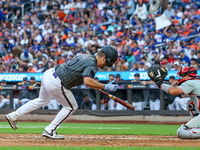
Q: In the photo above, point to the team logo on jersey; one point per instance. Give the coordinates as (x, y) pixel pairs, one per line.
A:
(85, 57)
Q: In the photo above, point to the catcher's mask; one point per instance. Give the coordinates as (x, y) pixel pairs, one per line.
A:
(190, 71)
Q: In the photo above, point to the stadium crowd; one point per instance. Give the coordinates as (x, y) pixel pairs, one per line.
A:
(55, 31)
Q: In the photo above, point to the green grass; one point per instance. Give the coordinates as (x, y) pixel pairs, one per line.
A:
(91, 128)
(98, 148)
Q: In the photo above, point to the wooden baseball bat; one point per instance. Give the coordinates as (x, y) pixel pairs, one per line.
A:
(118, 100)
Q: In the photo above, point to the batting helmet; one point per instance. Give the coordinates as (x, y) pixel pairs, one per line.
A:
(190, 71)
(111, 55)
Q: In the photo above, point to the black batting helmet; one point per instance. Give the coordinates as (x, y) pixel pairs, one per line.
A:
(111, 55)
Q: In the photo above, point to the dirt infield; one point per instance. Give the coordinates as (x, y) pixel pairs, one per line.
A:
(95, 140)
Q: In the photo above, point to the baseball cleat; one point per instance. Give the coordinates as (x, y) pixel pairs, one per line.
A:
(54, 136)
(13, 124)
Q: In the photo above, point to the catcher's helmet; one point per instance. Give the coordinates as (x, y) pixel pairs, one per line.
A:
(111, 55)
(190, 71)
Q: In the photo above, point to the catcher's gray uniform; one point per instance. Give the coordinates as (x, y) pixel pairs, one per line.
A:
(56, 83)
(191, 87)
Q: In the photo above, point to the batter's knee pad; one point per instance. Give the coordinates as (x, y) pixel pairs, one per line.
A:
(185, 132)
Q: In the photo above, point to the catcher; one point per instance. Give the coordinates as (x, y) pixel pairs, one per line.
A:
(188, 84)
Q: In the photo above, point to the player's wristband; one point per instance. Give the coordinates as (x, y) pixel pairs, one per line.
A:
(165, 87)
(105, 87)
(159, 83)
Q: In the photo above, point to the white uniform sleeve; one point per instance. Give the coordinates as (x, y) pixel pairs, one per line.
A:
(187, 87)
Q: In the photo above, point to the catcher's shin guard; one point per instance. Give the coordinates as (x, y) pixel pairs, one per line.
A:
(193, 107)
(185, 132)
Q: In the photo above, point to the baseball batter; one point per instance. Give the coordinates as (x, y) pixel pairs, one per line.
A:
(56, 83)
(189, 84)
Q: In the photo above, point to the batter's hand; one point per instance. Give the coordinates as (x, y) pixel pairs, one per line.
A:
(111, 87)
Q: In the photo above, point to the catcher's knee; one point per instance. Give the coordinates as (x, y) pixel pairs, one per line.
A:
(193, 107)
(185, 132)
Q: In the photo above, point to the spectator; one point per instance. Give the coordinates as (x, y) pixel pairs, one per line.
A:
(134, 67)
(86, 103)
(155, 60)
(171, 98)
(130, 57)
(165, 62)
(112, 26)
(176, 66)
(106, 16)
(141, 10)
(154, 7)
(41, 30)
(192, 54)
(137, 95)
(113, 105)
(45, 63)
(185, 60)
(141, 66)
(16, 6)
(101, 5)
(97, 14)
(33, 84)
(24, 96)
(181, 102)
(4, 96)
(40, 67)
(103, 98)
(21, 69)
(53, 53)
(198, 55)
(169, 11)
(14, 65)
(171, 58)
(130, 8)
(26, 58)
(194, 63)
(154, 96)
(24, 41)
(8, 56)
(96, 27)
(30, 68)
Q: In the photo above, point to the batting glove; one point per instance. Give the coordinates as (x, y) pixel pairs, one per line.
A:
(111, 87)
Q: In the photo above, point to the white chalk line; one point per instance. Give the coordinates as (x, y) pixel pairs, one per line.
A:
(100, 128)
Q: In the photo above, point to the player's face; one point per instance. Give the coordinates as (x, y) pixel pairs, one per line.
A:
(32, 81)
(103, 63)
(3, 84)
(111, 78)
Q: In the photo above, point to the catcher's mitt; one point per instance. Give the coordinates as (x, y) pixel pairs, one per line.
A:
(157, 73)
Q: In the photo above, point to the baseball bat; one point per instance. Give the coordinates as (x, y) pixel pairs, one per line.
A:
(118, 100)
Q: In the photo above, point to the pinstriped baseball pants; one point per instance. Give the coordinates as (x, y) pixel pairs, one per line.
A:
(51, 87)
